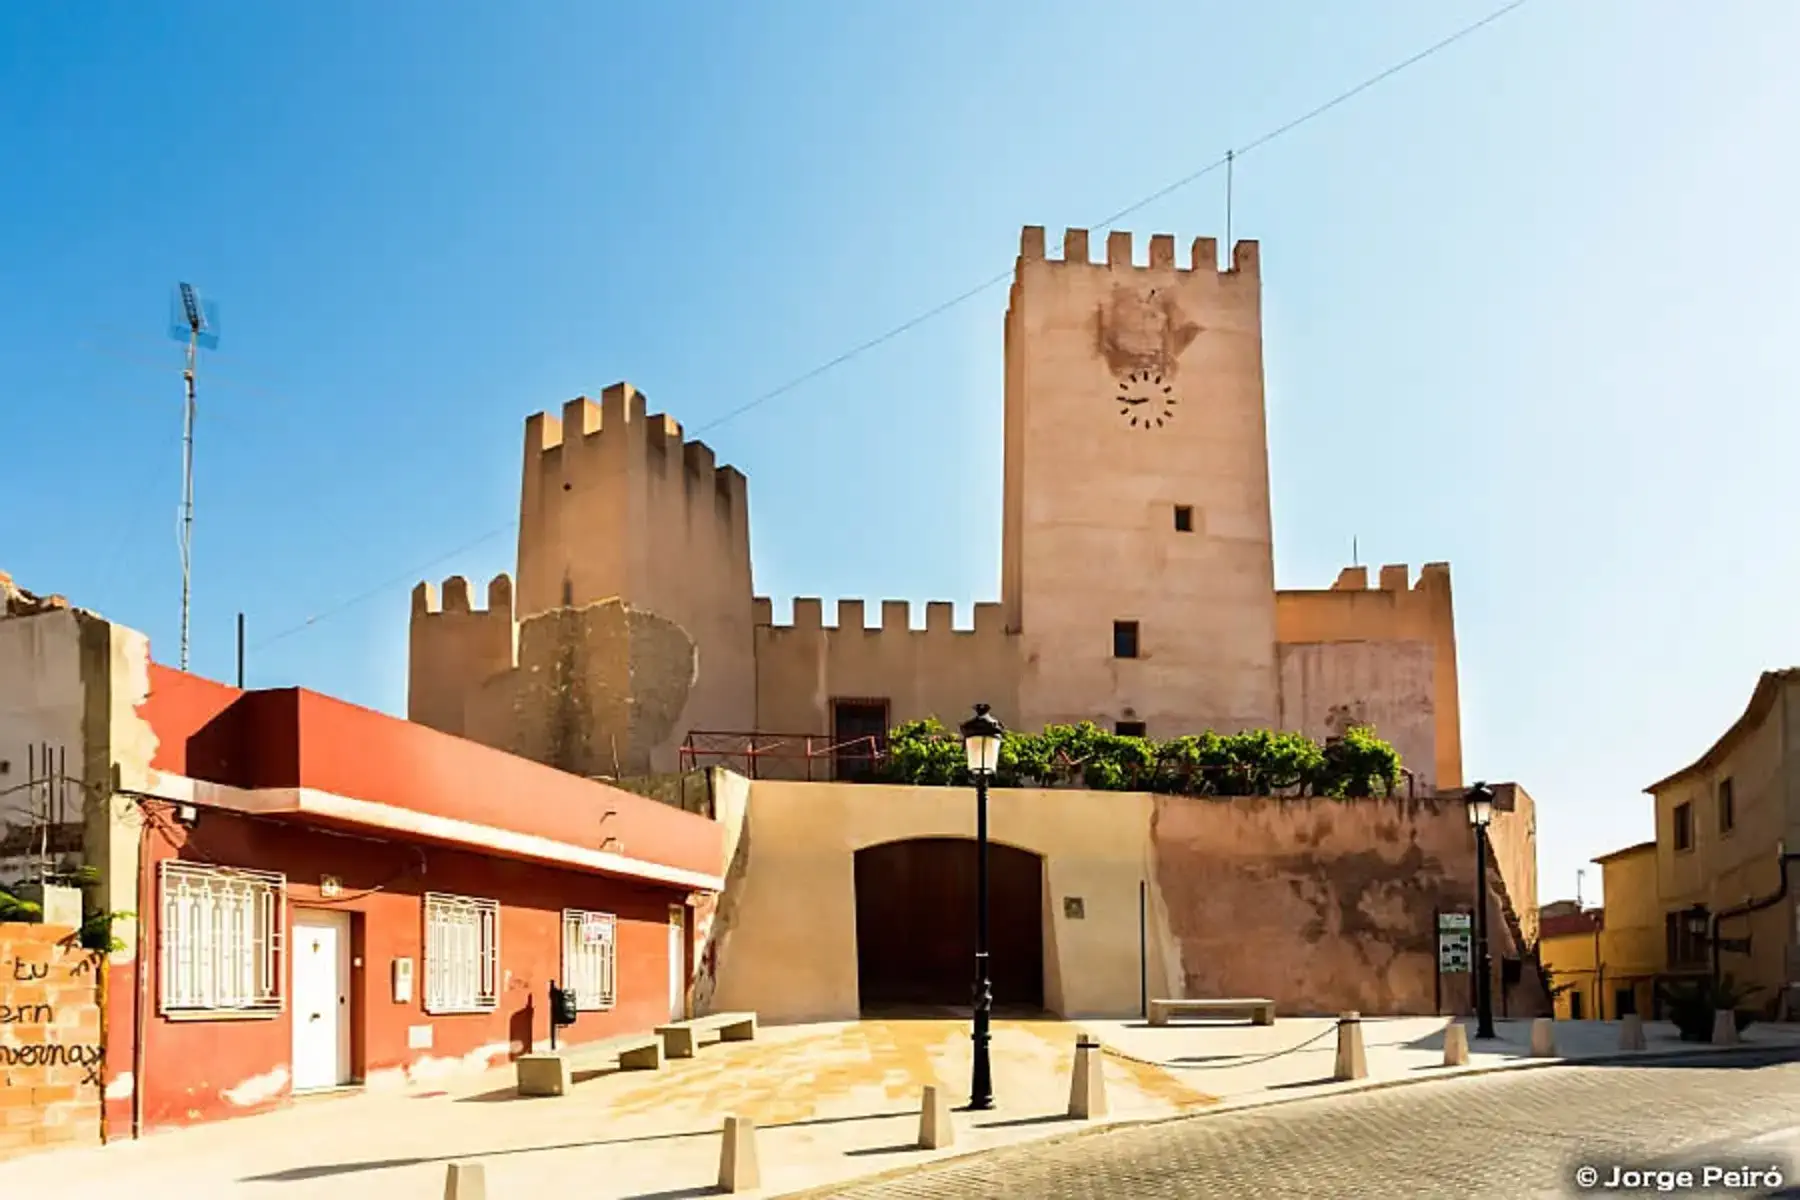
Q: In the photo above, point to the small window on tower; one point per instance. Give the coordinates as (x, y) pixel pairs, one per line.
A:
(1125, 639)
(1184, 518)
(1130, 729)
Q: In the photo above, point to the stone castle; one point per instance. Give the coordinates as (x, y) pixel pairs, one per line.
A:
(1137, 577)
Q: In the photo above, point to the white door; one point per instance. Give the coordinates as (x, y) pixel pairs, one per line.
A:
(320, 998)
(677, 963)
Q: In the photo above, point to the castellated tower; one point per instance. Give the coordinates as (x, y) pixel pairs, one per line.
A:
(615, 505)
(616, 509)
(1138, 566)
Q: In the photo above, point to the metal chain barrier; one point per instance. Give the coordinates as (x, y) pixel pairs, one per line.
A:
(1248, 1060)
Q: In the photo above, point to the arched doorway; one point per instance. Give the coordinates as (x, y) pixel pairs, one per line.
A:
(915, 925)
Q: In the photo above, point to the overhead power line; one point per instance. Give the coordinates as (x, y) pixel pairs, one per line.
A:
(961, 298)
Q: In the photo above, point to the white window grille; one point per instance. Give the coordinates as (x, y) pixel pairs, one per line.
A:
(462, 954)
(220, 939)
(590, 955)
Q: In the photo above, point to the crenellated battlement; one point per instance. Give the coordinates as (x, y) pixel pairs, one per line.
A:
(987, 619)
(1394, 577)
(456, 596)
(595, 439)
(1203, 253)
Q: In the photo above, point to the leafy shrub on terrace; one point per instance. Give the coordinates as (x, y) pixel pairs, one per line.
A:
(1257, 762)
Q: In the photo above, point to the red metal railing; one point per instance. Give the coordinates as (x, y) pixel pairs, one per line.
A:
(817, 757)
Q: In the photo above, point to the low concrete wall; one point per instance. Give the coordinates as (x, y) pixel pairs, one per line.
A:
(50, 1044)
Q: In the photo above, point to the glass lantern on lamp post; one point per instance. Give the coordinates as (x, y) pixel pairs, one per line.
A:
(982, 735)
(1480, 801)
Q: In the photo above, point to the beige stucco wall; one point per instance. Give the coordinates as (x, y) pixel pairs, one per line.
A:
(792, 950)
(1092, 481)
(1320, 905)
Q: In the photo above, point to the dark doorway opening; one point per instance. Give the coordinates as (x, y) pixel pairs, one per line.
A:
(858, 735)
(915, 926)
(1575, 1006)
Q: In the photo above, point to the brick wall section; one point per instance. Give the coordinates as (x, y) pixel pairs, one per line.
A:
(50, 1044)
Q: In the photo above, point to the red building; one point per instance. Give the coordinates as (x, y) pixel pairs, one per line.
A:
(331, 897)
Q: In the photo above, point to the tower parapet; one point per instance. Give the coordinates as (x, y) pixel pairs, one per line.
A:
(455, 647)
(1203, 253)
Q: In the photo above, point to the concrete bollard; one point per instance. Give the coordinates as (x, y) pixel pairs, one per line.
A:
(1631, 1032)
(1725, 1031)
(1087, 1084)
(738, 1170)
(1456, 1045)
(1543, 1038)
(465, 1181)
(1352, 1060)
(935, 1129)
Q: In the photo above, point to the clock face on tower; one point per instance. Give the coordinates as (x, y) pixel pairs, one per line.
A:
(1146, 399)
(1142, 335)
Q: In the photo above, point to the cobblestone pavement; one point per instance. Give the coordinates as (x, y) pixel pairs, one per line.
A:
(1510, 1134)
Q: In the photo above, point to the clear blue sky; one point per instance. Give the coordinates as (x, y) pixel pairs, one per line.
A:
(1530, 308)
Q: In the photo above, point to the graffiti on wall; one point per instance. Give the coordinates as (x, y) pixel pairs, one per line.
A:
(51, 1053)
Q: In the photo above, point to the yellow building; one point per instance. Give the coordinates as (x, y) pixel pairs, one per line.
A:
(1631, 934)
(1569, 948)
(1723, 826)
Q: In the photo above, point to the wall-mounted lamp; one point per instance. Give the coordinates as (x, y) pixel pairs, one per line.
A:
(187, 815)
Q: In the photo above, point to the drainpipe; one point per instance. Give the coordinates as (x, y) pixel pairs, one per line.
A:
(1782, 858)
(139, 1017)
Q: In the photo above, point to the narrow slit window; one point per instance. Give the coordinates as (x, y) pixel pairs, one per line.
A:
(1184, 518)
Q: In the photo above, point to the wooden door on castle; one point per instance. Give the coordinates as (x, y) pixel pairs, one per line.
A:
(915, 925)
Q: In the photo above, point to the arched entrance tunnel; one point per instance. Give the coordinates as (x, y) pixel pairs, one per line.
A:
(915, 925)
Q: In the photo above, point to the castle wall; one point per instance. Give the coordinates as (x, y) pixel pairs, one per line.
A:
(615, 504)
(1132, 391)
(1327, 687)
(454, 648)
(598, 690)
(1382, 677)
(938, 671)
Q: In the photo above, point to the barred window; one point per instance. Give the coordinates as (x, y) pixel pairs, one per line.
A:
(462, 954)
(591, 958)
(219, 939)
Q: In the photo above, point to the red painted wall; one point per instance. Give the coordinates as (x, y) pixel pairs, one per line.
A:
(192, 1067)
(294, 738)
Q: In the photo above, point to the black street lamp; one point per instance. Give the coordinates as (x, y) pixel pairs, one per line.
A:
(981, 739)
(1480, 800)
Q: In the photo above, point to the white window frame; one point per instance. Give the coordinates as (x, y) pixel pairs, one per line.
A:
(220, 935)
(590, 969)
(462, 954)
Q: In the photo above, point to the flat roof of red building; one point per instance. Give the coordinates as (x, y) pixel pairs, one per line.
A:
(293, 752)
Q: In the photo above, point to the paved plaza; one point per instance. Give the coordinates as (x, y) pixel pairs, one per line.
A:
(834, 1103)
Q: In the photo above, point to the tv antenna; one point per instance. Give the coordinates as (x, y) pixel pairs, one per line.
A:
(195, 322)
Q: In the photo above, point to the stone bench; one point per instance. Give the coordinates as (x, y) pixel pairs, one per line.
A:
(1261, 1012)
(681, 1039)
(552, 1073)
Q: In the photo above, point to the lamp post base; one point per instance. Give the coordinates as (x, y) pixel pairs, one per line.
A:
(981, 1083)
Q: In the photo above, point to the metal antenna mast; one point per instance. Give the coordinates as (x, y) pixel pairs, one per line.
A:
(195, 323)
